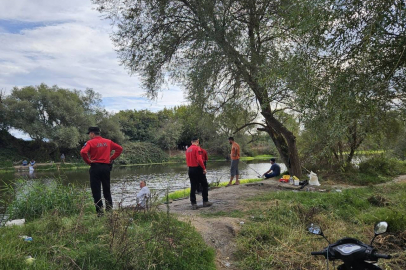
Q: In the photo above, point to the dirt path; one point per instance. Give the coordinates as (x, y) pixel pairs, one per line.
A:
(219, 232)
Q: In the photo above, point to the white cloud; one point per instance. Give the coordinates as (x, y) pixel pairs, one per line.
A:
(66, 43)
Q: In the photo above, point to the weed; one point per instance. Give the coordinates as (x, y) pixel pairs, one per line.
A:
(276, 238)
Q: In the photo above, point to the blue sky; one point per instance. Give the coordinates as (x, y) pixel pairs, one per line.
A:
(66, 43)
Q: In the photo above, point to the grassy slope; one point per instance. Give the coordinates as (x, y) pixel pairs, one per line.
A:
(68, 235)
(274, 235)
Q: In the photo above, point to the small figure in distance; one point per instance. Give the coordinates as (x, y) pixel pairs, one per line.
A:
(25, 162)
(143, 195)
(274, 171)
(63, 158)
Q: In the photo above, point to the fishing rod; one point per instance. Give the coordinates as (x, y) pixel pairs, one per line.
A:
(259, 175)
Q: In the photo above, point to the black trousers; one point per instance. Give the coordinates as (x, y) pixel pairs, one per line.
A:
(100, 176)
(197, 177)
(199, 186)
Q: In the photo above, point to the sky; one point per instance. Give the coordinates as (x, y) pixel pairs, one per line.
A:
(67, 43)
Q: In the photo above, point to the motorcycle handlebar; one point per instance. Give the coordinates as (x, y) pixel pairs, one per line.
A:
(383, 256)
(318, 253)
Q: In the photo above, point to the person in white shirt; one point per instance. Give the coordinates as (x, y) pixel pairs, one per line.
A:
(143, 195)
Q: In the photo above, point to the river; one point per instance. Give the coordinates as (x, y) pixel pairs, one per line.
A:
(125, 180)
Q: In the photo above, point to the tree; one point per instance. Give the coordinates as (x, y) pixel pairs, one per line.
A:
(219, 49)
(138, 125)
(54, 114)
(167, 136)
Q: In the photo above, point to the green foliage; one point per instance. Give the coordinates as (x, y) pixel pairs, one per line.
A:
(138, 125)
(35, 199)
(141, 153)
(67, 233)
(113, 242)
(382, 165)
(60, 116)
(275, 235)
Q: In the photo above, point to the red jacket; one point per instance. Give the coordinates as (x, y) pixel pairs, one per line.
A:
(193, 158)
(204, 154)
(100, 150)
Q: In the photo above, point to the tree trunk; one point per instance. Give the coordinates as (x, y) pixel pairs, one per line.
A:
(285, 143)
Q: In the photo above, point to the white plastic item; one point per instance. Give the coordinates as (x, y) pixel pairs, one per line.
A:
(314, 180)
(296, 182)
(15, 222)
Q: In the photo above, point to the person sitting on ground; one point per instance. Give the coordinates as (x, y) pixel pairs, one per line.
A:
(25, 163)
(274, 171)
(143, 195)
(32, 163)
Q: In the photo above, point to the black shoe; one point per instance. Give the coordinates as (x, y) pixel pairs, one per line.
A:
(207, 204)
(194, 206)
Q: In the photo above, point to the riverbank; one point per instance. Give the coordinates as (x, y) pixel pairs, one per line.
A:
(75, 166)
(257, 225)
(262, 225)
(67, 234)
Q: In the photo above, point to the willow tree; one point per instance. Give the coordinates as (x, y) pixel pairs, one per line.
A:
(219, 50)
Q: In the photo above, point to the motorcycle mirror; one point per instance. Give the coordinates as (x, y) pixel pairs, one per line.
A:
(381, 227)
(315, 229)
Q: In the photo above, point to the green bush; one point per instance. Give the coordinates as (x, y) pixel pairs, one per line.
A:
(142, 153)
(381, 165)
(32, 200)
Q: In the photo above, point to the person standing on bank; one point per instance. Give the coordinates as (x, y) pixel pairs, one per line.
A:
(197, 172)
(205, 158)
(235, 159)
(99, 149)
(274, 171)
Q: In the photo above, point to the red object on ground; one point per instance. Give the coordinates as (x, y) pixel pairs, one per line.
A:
(284, 180)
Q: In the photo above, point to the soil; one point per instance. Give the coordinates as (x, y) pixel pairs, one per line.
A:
(219, 232)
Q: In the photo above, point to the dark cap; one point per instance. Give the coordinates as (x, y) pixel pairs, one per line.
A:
(195, 139)
(93, 129)
(272, 159)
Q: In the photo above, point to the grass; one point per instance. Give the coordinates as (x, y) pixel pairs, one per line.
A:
(367, 152)
(123, 239)
(259, 157)
(274, 235)
(32, 199)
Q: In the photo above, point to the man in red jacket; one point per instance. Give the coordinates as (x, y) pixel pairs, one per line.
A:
(205, 158)
(197, 172)
(99, 150)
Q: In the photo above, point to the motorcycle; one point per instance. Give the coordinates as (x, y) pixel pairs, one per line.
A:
(354, 254)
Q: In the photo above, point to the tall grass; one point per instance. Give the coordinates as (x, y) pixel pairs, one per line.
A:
(32, 199)
(67, 234)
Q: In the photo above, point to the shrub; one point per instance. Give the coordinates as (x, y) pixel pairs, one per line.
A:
(141, 153)
(381, 165)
